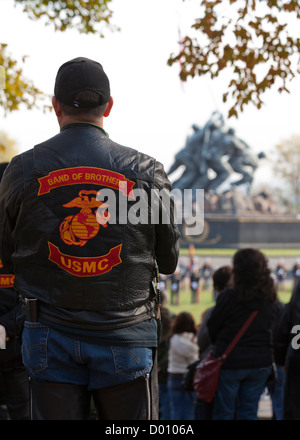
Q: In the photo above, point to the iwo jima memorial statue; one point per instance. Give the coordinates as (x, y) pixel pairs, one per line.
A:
(215, 160)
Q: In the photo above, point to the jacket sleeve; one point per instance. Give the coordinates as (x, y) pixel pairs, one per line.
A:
(166, 230)
(11, 192)
(282, 335)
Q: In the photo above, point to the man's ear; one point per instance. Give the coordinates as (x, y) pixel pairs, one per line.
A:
(109, 107)
(56, 106)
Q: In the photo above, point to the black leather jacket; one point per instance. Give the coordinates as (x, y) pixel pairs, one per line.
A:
(94, 273)
(8, 303)
(254, 349)
(9, 309)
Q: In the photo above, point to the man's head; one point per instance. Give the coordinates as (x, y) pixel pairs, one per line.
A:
(221, 278)
(82, 90)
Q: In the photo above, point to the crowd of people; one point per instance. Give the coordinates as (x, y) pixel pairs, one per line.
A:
(197, 276)
(264, 362)
(282, 273)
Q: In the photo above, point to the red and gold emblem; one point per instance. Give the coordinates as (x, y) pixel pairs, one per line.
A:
(78, 229)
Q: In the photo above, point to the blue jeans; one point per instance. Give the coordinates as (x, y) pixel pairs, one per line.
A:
(239, 392)
(277, 394)
(181, 401)
(164, 402)
(51, 356)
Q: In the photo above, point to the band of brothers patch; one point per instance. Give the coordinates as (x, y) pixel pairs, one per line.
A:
(91, 175)
(79, 228)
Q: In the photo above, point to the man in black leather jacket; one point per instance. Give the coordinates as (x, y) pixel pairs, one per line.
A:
(87, 225)
(13, 375)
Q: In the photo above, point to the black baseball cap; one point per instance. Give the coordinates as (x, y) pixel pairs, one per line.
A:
(82, 83)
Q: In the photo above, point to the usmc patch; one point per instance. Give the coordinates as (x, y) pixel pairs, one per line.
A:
(77, 229)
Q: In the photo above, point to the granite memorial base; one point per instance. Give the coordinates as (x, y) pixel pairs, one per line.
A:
(230, 231)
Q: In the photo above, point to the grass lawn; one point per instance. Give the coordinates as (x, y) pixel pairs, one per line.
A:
(206, 296)
(281, 253)
(206, 300)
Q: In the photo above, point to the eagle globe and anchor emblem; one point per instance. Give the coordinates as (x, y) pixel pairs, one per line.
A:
(79, 228)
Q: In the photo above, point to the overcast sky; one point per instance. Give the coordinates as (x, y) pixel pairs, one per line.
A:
(152, 111)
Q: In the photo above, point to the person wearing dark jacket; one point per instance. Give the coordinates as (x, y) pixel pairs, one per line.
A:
(14, 379)
(85, 240)
(167, 318)
(246, 370)
(287, 353)
(221, 280)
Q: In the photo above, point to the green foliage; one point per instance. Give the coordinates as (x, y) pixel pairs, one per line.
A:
(17, 89)
(250, 38)
(7, 147)
(86, 16)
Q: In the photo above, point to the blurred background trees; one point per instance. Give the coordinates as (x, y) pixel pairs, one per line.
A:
(286, 166)
(252, 40)
(90, 16)
(7, 148)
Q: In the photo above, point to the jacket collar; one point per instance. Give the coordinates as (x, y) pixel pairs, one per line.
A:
(78, 124)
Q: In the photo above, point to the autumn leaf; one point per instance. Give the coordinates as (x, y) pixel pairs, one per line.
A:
(256, 47)
(87, 16)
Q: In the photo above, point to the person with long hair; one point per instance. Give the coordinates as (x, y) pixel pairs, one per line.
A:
(183, 351)
(221, 280)
(245, 372)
